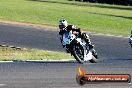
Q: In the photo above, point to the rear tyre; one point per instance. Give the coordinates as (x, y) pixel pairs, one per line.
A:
(95, 54)
(93, 60)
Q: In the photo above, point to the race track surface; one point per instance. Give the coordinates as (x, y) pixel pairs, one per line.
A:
(114, 52)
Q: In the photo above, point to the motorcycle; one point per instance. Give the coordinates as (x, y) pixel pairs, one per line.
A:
(78, 48)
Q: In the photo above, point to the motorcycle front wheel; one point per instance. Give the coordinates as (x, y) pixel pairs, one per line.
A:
(78, 53)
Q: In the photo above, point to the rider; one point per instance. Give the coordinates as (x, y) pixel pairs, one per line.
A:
(63, 26)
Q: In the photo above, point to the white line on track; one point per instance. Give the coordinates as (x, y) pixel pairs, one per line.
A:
(2, 84)
(109, 35)
(63, 60)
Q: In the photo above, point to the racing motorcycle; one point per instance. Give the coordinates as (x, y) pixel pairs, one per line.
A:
(78, 48)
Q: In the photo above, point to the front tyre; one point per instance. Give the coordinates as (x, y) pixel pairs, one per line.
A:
(78, 53)
(94, 53)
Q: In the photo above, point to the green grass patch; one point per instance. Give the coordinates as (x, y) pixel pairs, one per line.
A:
(99, 18)
(8, 54)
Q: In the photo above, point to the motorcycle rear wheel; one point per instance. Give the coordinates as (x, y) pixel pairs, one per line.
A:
(93, 60)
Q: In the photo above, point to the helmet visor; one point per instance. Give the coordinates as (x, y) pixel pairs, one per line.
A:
(61, 26)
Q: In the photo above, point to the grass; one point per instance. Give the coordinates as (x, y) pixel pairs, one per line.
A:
(8, 54)
(99, 18)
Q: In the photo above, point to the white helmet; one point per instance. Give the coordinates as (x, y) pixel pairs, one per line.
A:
(63, 24)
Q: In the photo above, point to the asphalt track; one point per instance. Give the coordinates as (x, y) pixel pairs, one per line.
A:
(114, 52)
